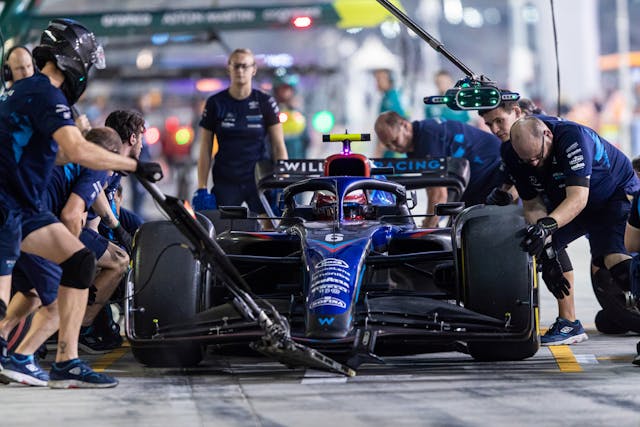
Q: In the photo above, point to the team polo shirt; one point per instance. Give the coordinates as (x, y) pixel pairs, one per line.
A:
(240, 127)
(30, 112)
(579, 157)
(451, 138)
(73, 179)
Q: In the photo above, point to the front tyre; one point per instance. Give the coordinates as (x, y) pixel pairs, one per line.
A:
(167, 286)
(499, 279)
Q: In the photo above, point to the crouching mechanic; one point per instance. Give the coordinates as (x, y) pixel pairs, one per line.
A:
(632, 243)
(586, 181)
(71, 191)
(499, 120)
(112, 228)
(36, 125)
(130, 126)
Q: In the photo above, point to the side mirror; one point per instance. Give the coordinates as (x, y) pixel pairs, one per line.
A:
(233, 212)
(449, 208)
(412, 199)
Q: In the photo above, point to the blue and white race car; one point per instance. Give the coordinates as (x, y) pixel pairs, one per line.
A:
(344, 277)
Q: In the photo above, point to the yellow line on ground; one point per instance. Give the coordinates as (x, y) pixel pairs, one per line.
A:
(616, 358)
(110, 358)
(565, 358)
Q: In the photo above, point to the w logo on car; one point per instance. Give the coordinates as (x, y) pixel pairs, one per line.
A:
(325, 321)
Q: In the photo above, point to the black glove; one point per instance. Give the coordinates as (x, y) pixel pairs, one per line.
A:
(150, 171)
(123, 237)
(499, 197)
(552, 273)
(536, 234)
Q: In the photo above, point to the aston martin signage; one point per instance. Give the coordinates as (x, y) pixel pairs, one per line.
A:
(342, 13)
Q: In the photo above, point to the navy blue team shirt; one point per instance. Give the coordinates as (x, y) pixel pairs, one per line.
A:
(30, 112)
(73, 178)
(580, 157)
(240, 127)
(451, 138)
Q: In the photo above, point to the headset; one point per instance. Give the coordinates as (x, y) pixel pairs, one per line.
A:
(7, 76)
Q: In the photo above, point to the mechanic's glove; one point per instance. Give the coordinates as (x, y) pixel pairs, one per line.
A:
(203, 200)
(150, 171)
(499, 197)
(123, 237)
(536, 235)
(552, 273)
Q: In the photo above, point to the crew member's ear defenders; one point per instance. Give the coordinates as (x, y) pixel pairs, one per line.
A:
(6, 71)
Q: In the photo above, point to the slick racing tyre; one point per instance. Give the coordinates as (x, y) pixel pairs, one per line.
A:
(499, 280)
(615, 303)
(167, 287)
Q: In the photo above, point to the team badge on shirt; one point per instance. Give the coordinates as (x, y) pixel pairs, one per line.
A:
(64, 111)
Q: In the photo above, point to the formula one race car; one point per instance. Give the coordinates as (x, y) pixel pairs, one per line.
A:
(344, 278)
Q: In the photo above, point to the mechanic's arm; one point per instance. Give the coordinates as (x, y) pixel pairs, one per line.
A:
(205, 159)
(73, 214)
(61, 158)
(102, 208)
(632, 238)
(82, 122)
(78, 150)
(435, 195)
(511, 189)
(571, 206)
(534, 209)
(276, 136)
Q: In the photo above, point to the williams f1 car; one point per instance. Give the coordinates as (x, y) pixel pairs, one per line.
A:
(344, 277)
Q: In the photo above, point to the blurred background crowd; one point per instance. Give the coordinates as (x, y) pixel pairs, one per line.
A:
(334, 65)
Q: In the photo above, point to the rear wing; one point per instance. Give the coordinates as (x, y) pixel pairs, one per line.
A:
(413, 174)
(450, 172)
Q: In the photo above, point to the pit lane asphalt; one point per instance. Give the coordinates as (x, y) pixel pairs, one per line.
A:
(588, 384)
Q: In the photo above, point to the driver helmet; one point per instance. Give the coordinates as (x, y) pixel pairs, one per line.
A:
(324, 206)
(355, 206)
(74, 49)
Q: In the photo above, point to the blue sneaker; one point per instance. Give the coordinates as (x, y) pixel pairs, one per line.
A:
(564, 332)
(75, 373)
(22, 368)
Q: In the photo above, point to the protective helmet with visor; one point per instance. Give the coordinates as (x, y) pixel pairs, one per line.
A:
(74, 49)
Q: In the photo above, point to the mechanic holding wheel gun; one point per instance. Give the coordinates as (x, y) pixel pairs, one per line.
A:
(586, 181)
(36, 130)
(240, 118)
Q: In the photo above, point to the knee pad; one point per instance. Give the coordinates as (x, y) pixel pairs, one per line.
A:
(565, 262)
(79, 270)
(621, 273)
